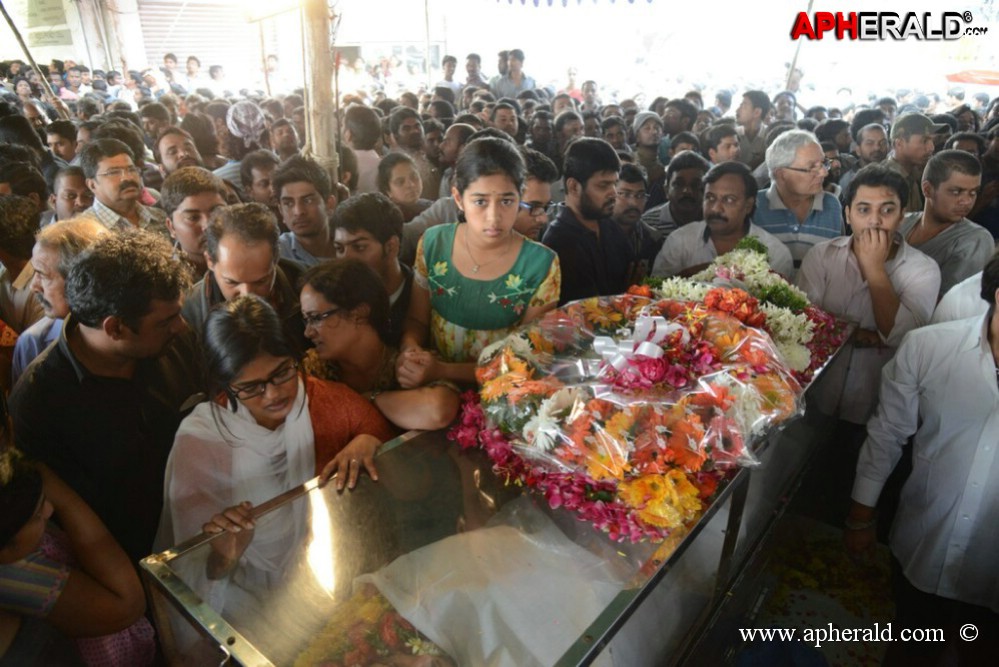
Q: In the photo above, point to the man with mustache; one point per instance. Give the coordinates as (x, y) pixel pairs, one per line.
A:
(872, 147)
(729, 202)
(175, 149)
(117, 185)
(684, 190)
(942, 230)
(632, 191)
(592, 250)
(56, 246)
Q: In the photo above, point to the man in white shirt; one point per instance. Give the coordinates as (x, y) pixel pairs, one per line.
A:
(873, 278)
(941, 389)
(962, 301)
(729, 202)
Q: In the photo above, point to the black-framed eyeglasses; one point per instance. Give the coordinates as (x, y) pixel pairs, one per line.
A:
(317, 319)
(253, 389)
(633, 196)
(814, 169)
(121, 171)
(536, 209)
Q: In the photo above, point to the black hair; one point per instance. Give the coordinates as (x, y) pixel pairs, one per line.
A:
(489, 156)
(967, 136)
(941, 165)
(686, 109)
(759, 100)
(563, 119)
(734, 169)
(443, 108)
(347, 165)
(255, 160)
(990, 282)
(829, 128)
(364, 125)
(18, 153)
(385, 167)
(20, 216)
(125, 133)
(350, 284)
(62, 128)
(863, 118)
(539, 166)
(587, 156)
(634, 173)
(250, 223)
(156, 111)
(612, 121)
(235, 333)
(298, 169)
(120, 275)
(24, 180)
(685, 138)
(398, 116)
(18, 130)
(372, 212)
(877, 176)
(187, 182)
(202, 130)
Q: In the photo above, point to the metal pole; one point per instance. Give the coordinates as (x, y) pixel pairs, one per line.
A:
(60, 107)
(426, 25)
(86, 40)
(263, 59)
(99, 20)
(797, 50)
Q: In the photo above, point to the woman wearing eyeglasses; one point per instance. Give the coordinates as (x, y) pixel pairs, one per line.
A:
(267, 430)
(476, 281)
(346, 312)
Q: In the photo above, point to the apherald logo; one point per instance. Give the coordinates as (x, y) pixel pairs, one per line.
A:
(885, 25)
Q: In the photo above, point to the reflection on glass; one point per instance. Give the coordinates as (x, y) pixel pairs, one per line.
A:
(320, 556)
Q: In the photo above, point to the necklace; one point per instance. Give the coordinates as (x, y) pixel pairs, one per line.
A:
(475, 264)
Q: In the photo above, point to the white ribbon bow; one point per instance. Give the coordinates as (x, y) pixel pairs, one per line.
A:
(650, 331)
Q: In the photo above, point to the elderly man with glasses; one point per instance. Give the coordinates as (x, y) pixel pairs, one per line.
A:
(795, 208)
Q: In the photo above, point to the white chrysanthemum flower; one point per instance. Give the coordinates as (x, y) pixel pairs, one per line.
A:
(542, 430)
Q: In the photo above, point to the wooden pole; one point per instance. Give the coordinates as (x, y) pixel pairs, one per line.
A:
(56, 102)
(320, 125)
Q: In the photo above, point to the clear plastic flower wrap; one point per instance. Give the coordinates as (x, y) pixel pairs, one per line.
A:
(637, 399)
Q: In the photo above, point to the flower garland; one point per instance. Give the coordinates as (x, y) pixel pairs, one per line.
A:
(630, 410)
(366, 630)
(805, 336)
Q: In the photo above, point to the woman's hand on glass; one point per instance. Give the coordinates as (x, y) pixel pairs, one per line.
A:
(237, 522)
(346, 466)
(415, 368)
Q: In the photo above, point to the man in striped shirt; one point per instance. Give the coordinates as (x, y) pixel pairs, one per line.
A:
(795, 208)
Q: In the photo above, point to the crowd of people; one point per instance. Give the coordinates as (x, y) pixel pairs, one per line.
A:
(196, 315)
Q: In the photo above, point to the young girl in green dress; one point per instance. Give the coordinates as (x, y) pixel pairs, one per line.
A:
(475, 281)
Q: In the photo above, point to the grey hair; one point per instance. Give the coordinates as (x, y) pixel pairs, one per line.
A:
(784, 149)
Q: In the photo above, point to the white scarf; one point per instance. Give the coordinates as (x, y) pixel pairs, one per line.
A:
(221, 458)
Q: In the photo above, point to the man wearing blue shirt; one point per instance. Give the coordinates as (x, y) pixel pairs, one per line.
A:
(795, 208)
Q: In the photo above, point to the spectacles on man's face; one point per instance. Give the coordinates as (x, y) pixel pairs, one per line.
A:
(120, 171)
(253, 389)
(638, 197)
(315, 319)
(814, 169)
(536, 209)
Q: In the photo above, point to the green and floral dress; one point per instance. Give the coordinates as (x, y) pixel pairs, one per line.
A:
(467, 314)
